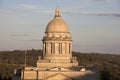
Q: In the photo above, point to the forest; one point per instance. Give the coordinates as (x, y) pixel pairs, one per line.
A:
(107, 64)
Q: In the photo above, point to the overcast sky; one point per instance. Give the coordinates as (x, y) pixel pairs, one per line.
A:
(94, 24)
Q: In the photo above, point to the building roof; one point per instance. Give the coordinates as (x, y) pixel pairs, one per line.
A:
(57, 24)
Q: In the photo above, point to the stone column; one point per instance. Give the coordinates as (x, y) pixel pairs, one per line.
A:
(49, 47)
(70, 48)
(56, 48)
(44, 48)
(67, 48)
(53, 48)
(61, 48)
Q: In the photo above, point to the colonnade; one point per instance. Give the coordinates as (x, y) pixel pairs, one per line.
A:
(57, 47)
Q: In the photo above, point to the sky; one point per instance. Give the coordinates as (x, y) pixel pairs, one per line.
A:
(94, 24)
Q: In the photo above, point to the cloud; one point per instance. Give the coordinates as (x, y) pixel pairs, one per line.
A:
(96, 13)
(106, 14)
(102, 13)
(19, 35)
(102, 0)
(10, 13)
(28, 6)
(5, 12)
(23, 10)
(33, 40)
(35, 9)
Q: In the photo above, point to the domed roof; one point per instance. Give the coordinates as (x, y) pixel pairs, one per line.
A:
(57, 24)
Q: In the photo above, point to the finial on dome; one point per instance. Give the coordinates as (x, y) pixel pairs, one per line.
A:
(57, 11)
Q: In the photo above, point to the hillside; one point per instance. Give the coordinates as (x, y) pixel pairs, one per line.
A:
(107, 64)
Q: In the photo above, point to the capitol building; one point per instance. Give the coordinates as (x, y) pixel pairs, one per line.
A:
(57, 62)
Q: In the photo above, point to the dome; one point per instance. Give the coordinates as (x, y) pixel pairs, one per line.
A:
(57, 24)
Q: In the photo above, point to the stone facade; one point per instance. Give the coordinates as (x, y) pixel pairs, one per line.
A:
(57, 74)
(57, 62)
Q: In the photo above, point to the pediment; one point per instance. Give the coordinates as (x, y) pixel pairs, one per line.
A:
(59, 69)
(59, 76)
